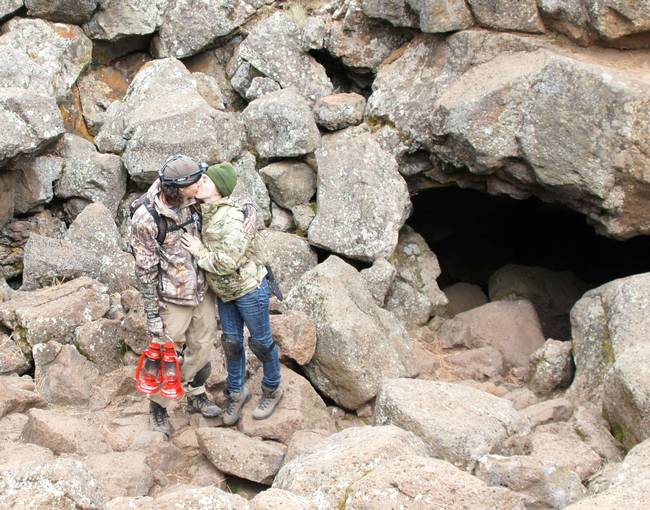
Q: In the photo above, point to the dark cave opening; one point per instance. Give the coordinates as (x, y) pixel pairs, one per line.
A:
(473, 234)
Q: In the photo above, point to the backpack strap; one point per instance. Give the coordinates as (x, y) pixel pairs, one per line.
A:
(159, 220)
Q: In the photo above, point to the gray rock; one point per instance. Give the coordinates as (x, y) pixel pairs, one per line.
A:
(522, 151)
(547, 485)
(460, 424)
(75, 12)
(90, 175)
(137, 129)
(356, 217)
(53, 313)
(548, 411)
(462, 297)
(235, 453)
(303, 215)
(8, 196)
(615, 19)
(553, 294)
(379, 279)
(427, 15)
(551, 367)
(517, 15)
(250, 187)
(260, 86)
(63, 432)
(604, 323)
(121, 473)
(34, 181)
(64, 376)
(289, 183)
(626, 395)
(360, 42)
(45, 58)
(281, 219)
(99, 341)
(314, 32)
(19, 394)
(281, 124)
(350, 364)
(323, 474)
(478, 364)
(568, 18)
(12, 359)
(208, 87)
(415, 295)
(591, 426)
(28, 122)
(188, 27)
(290, 256)
(432, 483)
(119, 18)
(242, 78)
(61, 483)
(194, 498)
(339, 111)
(278, 499)
(98, 88)
(8, 7)
(300, 409)
(274, 48)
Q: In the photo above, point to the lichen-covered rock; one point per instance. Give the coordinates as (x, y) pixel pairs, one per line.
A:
(46, 58)
(28, 122)
(363, 201)
(339, 111)
(278, 499)
(273, 47)
(517, 15)
(551, 367)
(605, 322)
(34, 181)
(138, 129)
(289, 183)
(427, 15)
(65, 11)
(290, 256)
(119, 18)
(250, 187)
(461, 84)
(98, 88)
(379, 279)
(281, 124)
(121, 473)
(8, 7)
(459, 423)
(350, 363)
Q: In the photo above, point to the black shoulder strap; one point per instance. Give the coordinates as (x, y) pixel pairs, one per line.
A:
(160, 221)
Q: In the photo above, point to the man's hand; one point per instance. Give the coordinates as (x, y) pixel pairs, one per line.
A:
(250, 218)
(155, 326)
(191, 243)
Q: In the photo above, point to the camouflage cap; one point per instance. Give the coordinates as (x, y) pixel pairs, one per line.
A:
(180, 171)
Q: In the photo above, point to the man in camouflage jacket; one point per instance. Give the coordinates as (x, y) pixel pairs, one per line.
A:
(176, 298)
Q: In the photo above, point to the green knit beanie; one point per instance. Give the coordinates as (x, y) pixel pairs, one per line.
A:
(224, 177)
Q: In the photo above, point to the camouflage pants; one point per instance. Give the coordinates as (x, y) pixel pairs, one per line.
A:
(195, 329)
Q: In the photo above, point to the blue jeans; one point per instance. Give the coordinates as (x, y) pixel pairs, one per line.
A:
(252, 309)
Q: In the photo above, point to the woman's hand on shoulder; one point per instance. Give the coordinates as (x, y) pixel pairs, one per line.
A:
(191, 243)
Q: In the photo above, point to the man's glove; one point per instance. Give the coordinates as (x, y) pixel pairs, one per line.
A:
(155, 326)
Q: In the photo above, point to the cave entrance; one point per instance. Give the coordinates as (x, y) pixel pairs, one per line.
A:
(473, 234)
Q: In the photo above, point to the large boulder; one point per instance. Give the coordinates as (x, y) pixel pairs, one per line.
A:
(280, 124)
(121, 473)
(358, 344)
(551, 293)
(34, 181)
(65, 11)
(323, 474)
(462, 84)
(428, 15)
(415, 295)
(46, 58)
(138, 128)
(290, 256)
(363, 201)
(605, 322)
(54, 313)
(289, 183)
(459, 423)
(273, 47)
(118, 19)
(28, 122)
(189, 27)
(90, 175)
(61, 483)
(339, 111)
(626, 395)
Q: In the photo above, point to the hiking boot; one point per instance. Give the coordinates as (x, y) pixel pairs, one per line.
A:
(159, 419)
(201, 404)
(235, 402)
(268, 402)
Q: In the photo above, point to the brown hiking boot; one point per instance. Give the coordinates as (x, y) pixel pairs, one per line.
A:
(235, 402)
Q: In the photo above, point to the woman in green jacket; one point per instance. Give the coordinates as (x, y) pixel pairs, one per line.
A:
(233, 261)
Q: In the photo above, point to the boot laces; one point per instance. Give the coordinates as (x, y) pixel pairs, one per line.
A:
(265, 401)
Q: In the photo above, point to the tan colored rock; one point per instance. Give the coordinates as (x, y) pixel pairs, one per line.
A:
(551, 367)
(304, 441)
(235, 453)
(594, 430)
(12, 359)
(18, 454)
(278, 499)
(11, 427)
(549, 411)
(18, 395)
(301, 408)
(295, 334)
(517, 15)
(462, 297)
(121, 473)
(479, 364)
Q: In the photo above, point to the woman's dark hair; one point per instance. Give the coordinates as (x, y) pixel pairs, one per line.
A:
(172, 195)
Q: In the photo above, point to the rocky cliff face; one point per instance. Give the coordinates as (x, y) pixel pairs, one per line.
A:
(332, 113)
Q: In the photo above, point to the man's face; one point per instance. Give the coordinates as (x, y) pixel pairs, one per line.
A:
(189, 192)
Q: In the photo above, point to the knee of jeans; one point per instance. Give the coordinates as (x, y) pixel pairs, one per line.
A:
(233, 347)
(263, 350)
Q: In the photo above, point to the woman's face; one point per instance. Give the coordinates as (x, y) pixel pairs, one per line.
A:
(207, 189)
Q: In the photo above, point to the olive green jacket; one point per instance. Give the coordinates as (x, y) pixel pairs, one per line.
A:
(233, 260)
